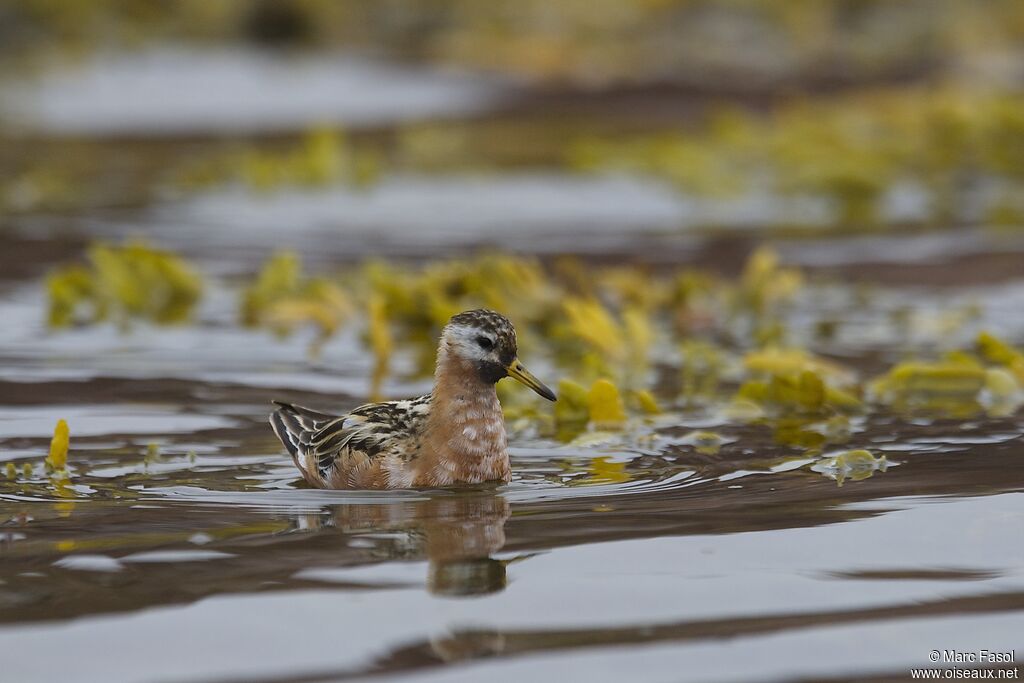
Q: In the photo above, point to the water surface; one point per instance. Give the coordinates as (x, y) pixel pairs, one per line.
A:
(185, 548)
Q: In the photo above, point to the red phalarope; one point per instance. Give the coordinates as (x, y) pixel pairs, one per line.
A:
(455, 434)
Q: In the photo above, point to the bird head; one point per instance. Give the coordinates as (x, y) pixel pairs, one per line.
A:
(487, 341)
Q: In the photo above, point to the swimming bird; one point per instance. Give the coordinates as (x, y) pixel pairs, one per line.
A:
(453, 435)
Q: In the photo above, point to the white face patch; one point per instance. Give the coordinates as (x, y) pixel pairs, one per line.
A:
(465, 342)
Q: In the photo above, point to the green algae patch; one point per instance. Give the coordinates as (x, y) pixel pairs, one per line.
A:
(777, 361)
(701, 368)
(704, 442)
(1001, 383)
(797, 393)
(765, 282)
(381, 343)
(571, 410)
(854, 465)
(70, 291)
(945, 386)
(609, 349)
(572, 401)
(282, 300)
(644, 402)
(848, 150)
(133, 281)
(622, 333)
(57, 459)
(995, 350)
(605, 405)
(322, 157)
(742, 410)
(998, 352)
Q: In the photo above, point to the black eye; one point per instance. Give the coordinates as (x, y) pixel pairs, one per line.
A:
(486, 343)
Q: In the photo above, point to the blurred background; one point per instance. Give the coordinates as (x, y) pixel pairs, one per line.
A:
(357, 126)
(771, 253)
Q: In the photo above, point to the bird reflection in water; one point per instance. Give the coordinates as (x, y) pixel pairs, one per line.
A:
(456, 532)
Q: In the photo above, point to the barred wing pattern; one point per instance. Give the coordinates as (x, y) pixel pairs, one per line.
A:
(321, 444)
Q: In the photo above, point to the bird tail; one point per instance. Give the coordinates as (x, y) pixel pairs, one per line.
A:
(296, 426)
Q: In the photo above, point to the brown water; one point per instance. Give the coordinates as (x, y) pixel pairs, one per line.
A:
(185, 548)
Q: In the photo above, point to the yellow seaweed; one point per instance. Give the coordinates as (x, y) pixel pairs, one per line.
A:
(742, 410)
(779, 361)
(68, 290)
(58, 458)
(704, 442)
(804, 392)
(847, 150)
(645, 402)
(322, 157)
(381, 344)
(855, 465)
(605, 405)
(282, 300)
(765, 283)
(571, 410)
(799, 432)
(917, 381)
(1001, 383)
(593, 324)
(133, 281)
(701, 368)
(997, 351)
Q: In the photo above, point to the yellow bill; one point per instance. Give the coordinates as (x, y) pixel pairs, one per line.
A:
(518, 372)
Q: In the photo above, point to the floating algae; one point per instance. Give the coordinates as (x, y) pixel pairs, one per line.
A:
(282, 300)
(700, 370)
(998, 352)
(800, 432)
(792, 381)
(600, 409)
(704, 442)
(855, 465)
(595, 322)
(742, 410)
(57, 460)
(322, 157)
(645, 402)
(945, 386)
(124, 283)
(591, 323)
(279, 276)
(571, 408)
(780, 361)
(958, 384)
(842, 150)
(800, 393)
(605, 406)
(381, 344)
(1001, 383)
(765, 283)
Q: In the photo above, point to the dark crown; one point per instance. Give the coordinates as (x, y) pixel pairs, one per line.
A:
(493, 323)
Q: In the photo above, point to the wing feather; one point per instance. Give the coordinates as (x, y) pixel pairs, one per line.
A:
(370, 431)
